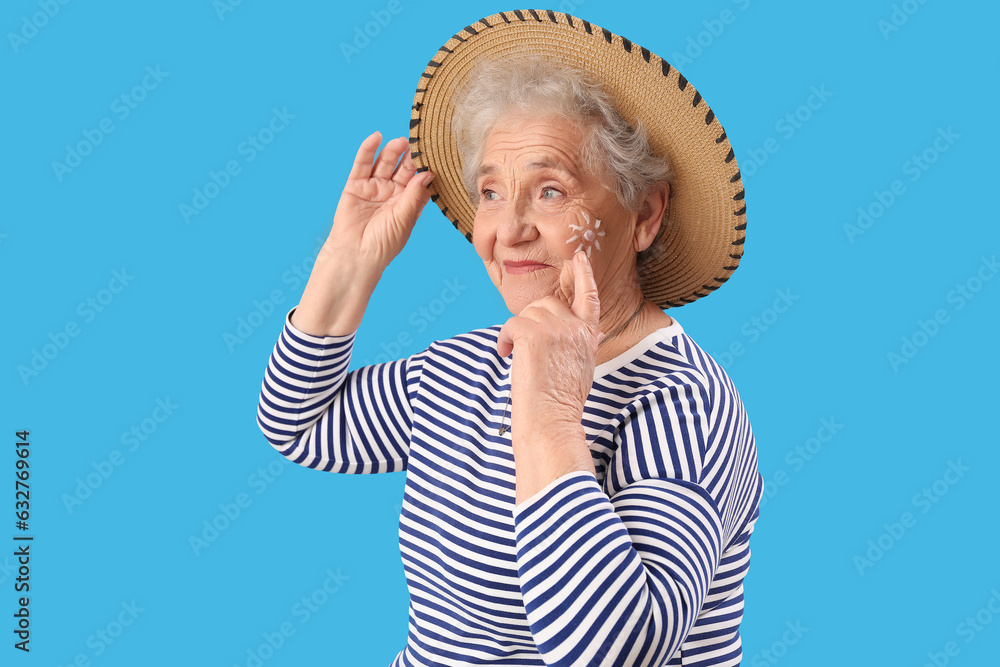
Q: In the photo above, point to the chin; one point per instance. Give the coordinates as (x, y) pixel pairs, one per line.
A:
(518, 300)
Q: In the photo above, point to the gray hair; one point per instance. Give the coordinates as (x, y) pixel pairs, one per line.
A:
(526, 83)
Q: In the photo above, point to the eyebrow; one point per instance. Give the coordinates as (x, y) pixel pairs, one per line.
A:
(492, 168)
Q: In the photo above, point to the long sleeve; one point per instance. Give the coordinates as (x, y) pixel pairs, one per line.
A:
(618, 575)
(319, 415)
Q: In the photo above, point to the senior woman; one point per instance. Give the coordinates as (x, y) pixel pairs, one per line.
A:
(581, 481)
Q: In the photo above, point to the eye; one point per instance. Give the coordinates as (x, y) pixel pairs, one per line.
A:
(488, 194)
(550, 193)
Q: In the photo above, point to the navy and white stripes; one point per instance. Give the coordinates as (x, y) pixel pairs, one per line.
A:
(641, 565)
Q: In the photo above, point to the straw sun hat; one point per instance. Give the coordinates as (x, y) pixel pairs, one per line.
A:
(706, 219)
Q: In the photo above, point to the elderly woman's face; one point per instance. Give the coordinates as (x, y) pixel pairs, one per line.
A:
(538, 204)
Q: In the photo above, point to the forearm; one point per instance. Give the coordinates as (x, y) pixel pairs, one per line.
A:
(337, 293)
(317, 414)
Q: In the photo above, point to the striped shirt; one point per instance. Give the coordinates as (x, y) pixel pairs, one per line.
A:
(641, 565)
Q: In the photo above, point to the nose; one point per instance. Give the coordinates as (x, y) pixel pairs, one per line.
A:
(515, 225)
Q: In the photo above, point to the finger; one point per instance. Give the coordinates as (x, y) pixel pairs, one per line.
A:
(413, 199)
(513, 330)
(505, 339)
(586, 304)
(362, 167)
(543, 310)
(566, 290)
(385, 165)
(404, 170)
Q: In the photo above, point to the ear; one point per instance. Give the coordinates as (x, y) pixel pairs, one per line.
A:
(654, 207)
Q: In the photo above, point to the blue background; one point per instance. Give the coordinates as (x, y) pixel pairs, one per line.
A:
(827, 557)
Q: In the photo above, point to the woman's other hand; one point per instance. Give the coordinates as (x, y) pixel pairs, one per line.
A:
(554, 342)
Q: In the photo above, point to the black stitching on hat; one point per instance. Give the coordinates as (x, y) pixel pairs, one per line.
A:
(518, 14)
(682, 82)
(709, 117)
(687, 300)
(697, 99)
(433, 63)
(711, 288)
(427, 76)
(414, 140)
(674, 305)
(739, 195)
(421, 90)
(729, 268)
(458, 37)
(739, 241)
(586, 25)
(741, 211)
(485, 23)
(435, 196)
(535, 15)
(740, 227)
(504, 17)
(414, 122)
(421, 169)
(552, 16)
(416, 155)
(736, 256)
(416, 107)
(607, 35)
(735, 177)
(645, 53)
(627, 44)
(722, 280)
(446, 49)
(729, 158)
(721, 138)
(665, 66)
(445, 212)
(469, 28)
(569, 19)
(468, 235)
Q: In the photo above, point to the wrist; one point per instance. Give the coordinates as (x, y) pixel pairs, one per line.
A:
(336, 295)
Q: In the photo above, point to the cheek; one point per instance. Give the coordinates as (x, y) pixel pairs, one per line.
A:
(582, 230)
(482, 238)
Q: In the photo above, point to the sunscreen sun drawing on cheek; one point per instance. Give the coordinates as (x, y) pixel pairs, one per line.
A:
(586, 235)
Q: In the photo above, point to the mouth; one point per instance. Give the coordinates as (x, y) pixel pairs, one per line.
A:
(516, 268)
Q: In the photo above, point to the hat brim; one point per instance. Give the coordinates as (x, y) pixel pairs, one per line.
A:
(706, 220)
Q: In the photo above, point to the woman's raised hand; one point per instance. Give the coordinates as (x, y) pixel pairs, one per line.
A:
(376, 213)
(381, 202)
